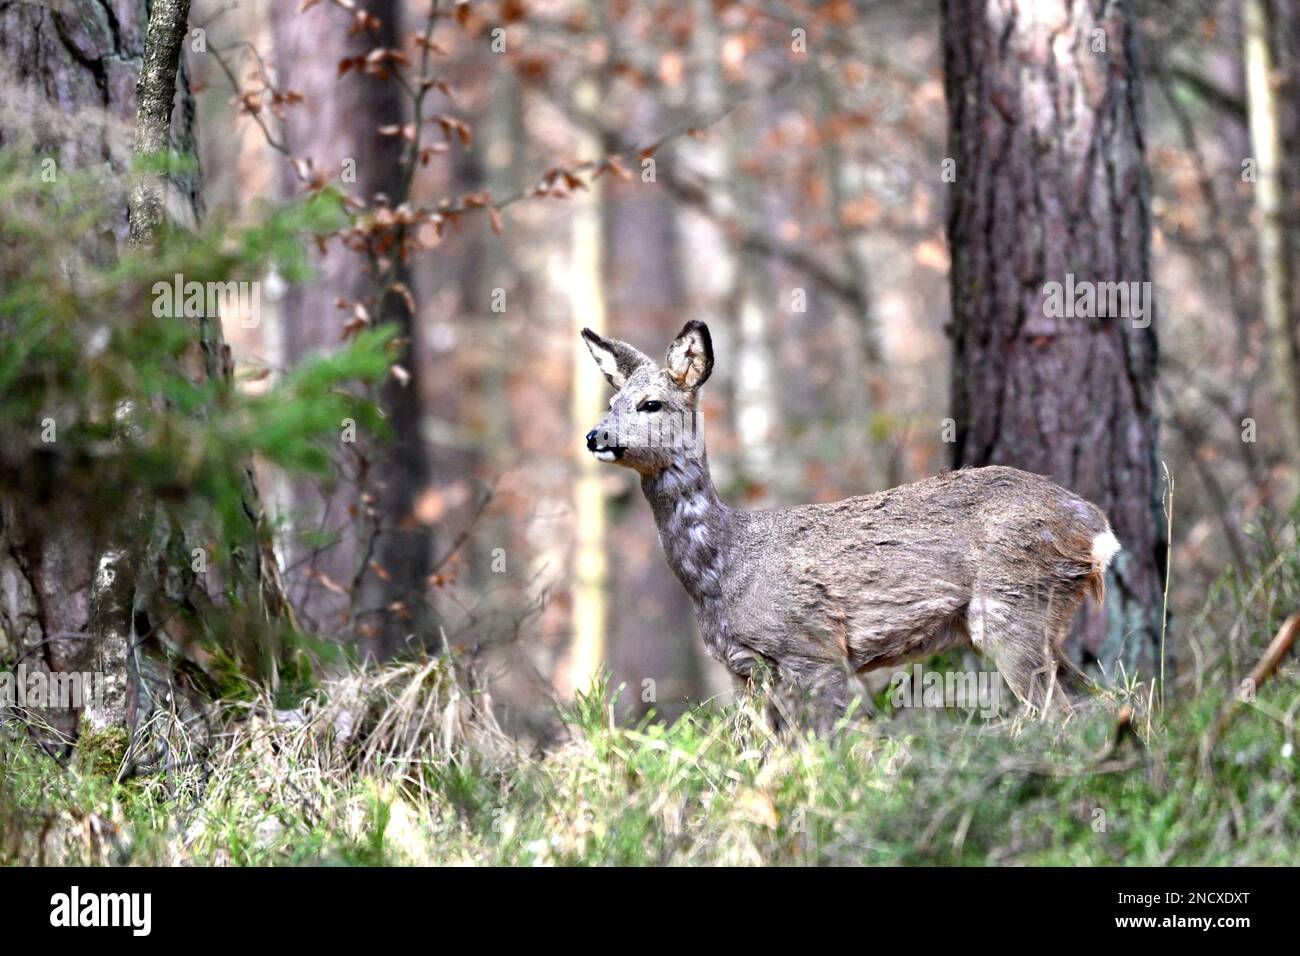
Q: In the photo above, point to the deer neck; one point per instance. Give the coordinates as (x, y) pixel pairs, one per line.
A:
(696, 527)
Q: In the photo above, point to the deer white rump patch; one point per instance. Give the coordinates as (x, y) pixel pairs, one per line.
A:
(1104, 547)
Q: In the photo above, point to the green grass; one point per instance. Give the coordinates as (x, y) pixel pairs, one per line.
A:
(405, 764)
(401, 765)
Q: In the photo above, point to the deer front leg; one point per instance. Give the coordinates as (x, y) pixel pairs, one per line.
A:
(812, 694)
(804, 692)
(785, 701)
(751, 671)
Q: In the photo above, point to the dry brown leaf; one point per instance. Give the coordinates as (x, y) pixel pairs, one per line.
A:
(328, 582)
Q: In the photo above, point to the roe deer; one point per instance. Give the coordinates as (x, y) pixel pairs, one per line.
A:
(992, 558)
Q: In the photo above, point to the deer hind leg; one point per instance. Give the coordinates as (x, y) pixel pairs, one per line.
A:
(1022, 631)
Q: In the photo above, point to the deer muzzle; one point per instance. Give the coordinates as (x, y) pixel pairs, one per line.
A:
(597, 444)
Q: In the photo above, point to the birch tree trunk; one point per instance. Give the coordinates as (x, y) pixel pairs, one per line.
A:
(1044, 101)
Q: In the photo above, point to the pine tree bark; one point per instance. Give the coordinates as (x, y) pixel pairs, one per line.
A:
(1046, 129)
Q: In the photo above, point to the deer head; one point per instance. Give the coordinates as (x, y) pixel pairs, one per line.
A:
(653, 418)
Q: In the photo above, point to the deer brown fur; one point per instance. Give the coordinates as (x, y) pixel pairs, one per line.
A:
(992, 558)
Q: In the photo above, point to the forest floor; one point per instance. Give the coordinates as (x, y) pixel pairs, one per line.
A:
(401, 765)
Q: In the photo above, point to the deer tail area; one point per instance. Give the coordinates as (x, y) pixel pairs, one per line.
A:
(1104, 547)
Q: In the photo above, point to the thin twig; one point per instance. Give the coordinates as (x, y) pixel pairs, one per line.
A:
(1168, 505)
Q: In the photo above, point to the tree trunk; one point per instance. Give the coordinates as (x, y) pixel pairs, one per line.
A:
(1287, 30)
(856, 269)
(1265, 114)
(336, 127)
(122, 602)
(155, 93)
(1044, 101)
(590, 610)
(70, 94)
(653, 637)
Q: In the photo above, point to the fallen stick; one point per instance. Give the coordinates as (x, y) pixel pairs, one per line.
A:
(1264, 668)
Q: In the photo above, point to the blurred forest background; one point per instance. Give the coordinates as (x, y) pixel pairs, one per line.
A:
(783, 171)
(796, 202)
(863, 200)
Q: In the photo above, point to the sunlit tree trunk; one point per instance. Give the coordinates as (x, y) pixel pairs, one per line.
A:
(857, 271)
(1265, 114)
(590, 608)
(505, 173)
(653, 645)
(753, 304)
(710, 273)
(1044, 101)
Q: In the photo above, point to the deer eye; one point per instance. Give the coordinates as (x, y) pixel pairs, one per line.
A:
(650, 405)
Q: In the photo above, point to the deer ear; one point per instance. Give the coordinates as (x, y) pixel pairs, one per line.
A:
(616, 359)
(690, 357)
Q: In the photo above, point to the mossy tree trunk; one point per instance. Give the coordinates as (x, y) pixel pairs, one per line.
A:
(70, 77)
(97, 85)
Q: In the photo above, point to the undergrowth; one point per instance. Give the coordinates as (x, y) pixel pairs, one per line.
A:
(402, 764)
(405, 763)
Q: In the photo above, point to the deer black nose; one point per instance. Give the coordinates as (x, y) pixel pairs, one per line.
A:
(591, 440)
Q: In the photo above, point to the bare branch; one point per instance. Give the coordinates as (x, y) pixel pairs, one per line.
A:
(154, 92)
